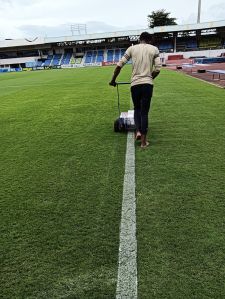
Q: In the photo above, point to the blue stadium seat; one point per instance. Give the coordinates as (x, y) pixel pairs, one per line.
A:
(110, 55)
(31, 64)
(48, 60)
(191, 44)
(100, 56)
(93, 58)
(56, 59)
(117, 55)
(39, 63)
(122, 52)
(88, 57)
(66, 58)
(166, 46)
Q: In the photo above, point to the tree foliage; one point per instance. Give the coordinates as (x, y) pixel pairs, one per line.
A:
(160, 18)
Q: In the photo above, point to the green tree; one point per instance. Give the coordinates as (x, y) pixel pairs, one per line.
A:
(160, 18)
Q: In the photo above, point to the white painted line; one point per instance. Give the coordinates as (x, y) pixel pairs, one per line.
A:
(127, 270)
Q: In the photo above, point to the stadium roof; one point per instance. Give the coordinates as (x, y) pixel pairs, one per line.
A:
(96, 36)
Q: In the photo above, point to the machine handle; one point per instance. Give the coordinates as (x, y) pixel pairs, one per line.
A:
(122, 83)
(118, 94)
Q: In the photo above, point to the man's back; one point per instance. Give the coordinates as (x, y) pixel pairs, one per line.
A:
(145, 59)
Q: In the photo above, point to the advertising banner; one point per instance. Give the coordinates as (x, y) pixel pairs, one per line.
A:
(71, 66)
(105, 63)
(93, 64)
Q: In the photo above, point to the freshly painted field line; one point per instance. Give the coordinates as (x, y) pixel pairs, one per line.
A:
(127, 270)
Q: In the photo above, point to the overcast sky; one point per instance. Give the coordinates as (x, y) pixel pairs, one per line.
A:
(32, 18)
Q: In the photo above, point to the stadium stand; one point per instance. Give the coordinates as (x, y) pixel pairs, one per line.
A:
(56, 59)
(72, 60)
(31, 64)
(110, 56)
(78, 60)
(91, 57)
(39, 63)
(184, 44)
(166, 46)
(48, 60)
(117, 55)
(191, 44)
(88, 57)
(59, 59)
(181, 45)
(209, 43)
(94, 55)
(66, 58)
(185, 40)
(100, 56)
(122, 52)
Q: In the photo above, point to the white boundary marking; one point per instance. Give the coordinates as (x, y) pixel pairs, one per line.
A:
(127, 270)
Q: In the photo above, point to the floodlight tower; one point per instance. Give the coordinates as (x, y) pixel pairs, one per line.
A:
(199, 11)
(78, 29)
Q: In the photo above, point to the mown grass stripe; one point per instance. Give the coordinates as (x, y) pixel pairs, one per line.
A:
(127, 270)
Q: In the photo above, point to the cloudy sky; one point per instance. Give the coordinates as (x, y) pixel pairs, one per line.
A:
(31, 18)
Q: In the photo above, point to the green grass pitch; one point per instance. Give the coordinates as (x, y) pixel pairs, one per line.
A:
(61, 182)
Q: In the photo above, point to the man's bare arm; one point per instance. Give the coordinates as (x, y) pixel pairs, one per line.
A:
(155, 74)
(115, 75)
(157, 65)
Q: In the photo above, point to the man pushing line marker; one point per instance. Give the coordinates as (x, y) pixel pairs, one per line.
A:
(145, 67)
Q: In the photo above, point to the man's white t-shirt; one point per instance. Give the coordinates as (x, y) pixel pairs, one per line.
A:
(145, 60)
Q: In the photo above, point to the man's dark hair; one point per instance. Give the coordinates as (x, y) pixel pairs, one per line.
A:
(146, 37)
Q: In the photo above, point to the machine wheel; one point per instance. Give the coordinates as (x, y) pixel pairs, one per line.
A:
(119, 125)
(116, 126)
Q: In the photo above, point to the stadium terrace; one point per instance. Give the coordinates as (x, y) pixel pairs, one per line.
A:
(184, 41)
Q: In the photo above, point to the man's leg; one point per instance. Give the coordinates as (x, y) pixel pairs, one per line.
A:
(147, 90)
